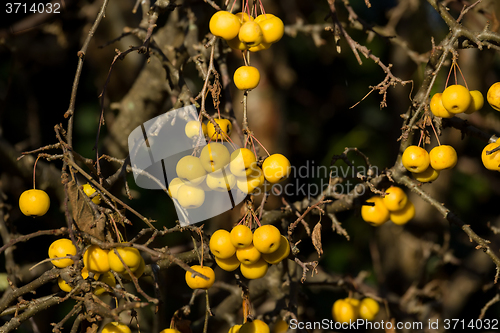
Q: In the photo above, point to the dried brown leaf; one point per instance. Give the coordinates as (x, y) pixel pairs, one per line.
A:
(316, 239)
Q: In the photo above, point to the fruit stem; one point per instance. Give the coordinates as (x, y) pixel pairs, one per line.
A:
(435, 133)
(449, 73)
(262, 8)
(253, 136)
(463, 78)
(421, 136)
(34, 171)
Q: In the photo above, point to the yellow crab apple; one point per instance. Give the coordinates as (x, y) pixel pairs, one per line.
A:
(456, 98)
(345, 311)
(377, 214)
(276, 168)
(443, 157)
(224, 24)
(437, 107)
(493, 96)
(225, 128)
(477, 102)
(242, 161)
(191, 169)
(256, 326)
(415, 159)
(241, 236)
(229, 264)
(34, 202)
(250, 33)
(368, 309)
(252, 182)
(221, 245)
(395, 198)
(426, 176)
(267, 238)
(214, 156)
(190, 196)
(272, 28)
(173, 187)
(246, 78)
(254, 270)
(116, 327)
(61, 248)
(403, 215)
(197, 282)
(280, 254)
(491, 161)
(192, 128)
(221, 182)
(248, 255)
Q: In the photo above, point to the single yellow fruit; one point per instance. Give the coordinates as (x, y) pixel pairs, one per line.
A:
(276, 168)
(116, 327)
(243, 160)
(170, 330)
(191, 169)
(190, 196)
(61, 248)
(250, 33)
(280, 326)
(456, 98)
(267, 238)
(272, 29)
(415, 159)
(241, 236)
(214, 156)
(34, 202)
(96, 259)
(229, 264)
(107, 278)
(246, 78)
(344, 311)
(403, 215)
(235, 329)
(130, 255)
(395, 198)
(196, 282)
(477, 102)
(256, 326)
(491, 161)
(493, 96)
(426, 176)
(437, 107)
(221, 245)
(377, 214)
(192, 128)
(443, 157)
(225, 127)
(280, 254)
(368, 308)
(255, 270)
(224, 24)
(248, 255)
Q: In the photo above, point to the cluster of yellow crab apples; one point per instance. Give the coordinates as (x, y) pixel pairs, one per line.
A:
(98, 261)
(351, 309)
(218, 169)
(244, 32)
(394, 206)
(426, 166)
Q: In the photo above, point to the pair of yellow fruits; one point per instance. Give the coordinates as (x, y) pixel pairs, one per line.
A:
(425, 166)
(395, 206)
(351, 309)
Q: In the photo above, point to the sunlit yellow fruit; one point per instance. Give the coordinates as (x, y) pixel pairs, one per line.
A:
(243, 17)
(491, 161)
(96, 259)
(272, 29)
(192, 128)
(395, 198)
(173, 187)
(190, 196)
(225, 127)
(170, 330)
(252, 182)
(130, 255)
(196, 282)
(224, 24)
(375, 215)
(477, 102)
(229, 264)
(89, 190)
(214, 156)
(116, 327)
(260, 47)
(63, 285)
(267, 238)
(246, 77)
(248, 255)
(191, 169)
(437, 107)
(235, 329)
(61, 248)
(137, 273)
(237, 44)
(242, 161)
(221, 182)
(254, 271)
(456, 98)
(426, 176)
(280, 326)
(344, 311)
(368, 309)
(241, 236)
(250, 33)
(280, 254)
(263, 17)
(107, 278)
(403, 215)
(221, 245)
(256, 326)
(34, 202)
(443, 157)
(276, 168)
(493, 96)
(415, 159)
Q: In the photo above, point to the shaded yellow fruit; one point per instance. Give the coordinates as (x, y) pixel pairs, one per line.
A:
(137, 273)
(96, 259)
(34, 202)
(403, 215)
(272, 29)
(395, 198)
(443, 157)
(368, 308)
(260, 47)
(377, 214)
(256, 326)
(225, 127)
(267, 238)
(493, 96)
(477, 102)
(196, 282)
(221, 182)
(237, 44)
(280, 326)
(224, 24)
(89, 190)
(344, 311)
(116, 327)
(242, 161)
(252, 182)
(130, 255)
(62, 248)
(250, 33)
(437, 107)
(456, 98)
(107, 278)
(491, 161)
(214, 156)
(255, 270)
(173, 187)
(426, 176)
(235, 329)
(229, 264)
(415, 159)
(221, 245)
(191, 169)
(248, 255)
(280, 254)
